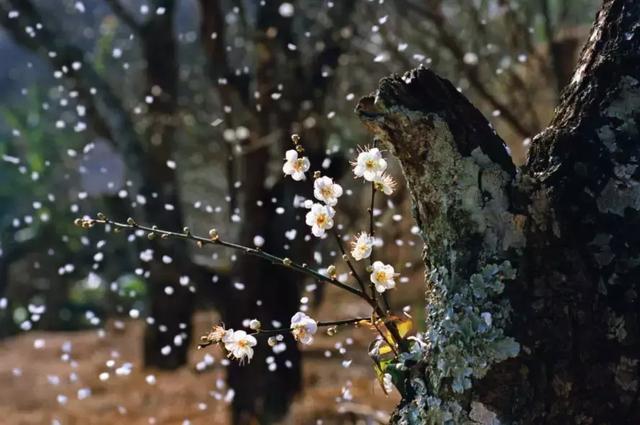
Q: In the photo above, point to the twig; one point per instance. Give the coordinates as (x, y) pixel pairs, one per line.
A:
(215, 240)
(346, 259)
(372, 234)
(320, 324)
(126, 17)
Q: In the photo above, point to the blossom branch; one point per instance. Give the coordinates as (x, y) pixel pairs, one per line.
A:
(215, 240)
(344, 322)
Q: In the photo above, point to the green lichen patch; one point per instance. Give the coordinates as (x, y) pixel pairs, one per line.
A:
(466, 319)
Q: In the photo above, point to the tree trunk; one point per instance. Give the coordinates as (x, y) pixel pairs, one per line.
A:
(171, 312)
(555, 339)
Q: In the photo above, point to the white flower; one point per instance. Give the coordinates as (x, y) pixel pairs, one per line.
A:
(382, 276)
(320, 218)
(303, 328)
(369, 164)
(239, 345)
(384, 183)
(361, 247)
(294, 166)
(217, 334)
(325, 190)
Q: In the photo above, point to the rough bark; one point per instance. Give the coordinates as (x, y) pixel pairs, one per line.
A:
(555, 339)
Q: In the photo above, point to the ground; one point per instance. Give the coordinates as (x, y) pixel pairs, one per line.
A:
(40, 385)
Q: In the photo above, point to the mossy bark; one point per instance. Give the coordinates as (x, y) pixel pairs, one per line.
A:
(558, 341)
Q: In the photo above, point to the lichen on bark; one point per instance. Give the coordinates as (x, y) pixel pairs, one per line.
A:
(560, 342)
(460, 177)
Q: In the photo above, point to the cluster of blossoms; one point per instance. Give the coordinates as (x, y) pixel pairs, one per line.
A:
(370, 166)
(239, 344)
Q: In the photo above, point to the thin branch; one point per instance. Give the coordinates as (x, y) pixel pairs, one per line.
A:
(371, 234)
(551, 45)
(215, 240)
(112, 113)
(346, 259)
(370, 211)
(452, 43)
(320, 325)
(385, 299)
(124, 15)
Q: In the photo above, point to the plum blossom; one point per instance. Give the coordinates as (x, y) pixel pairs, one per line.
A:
(382, 276)
(218, 333)
(325, 190)
(384, 183)
(303, 328)
(295, 166)
(239, 345)
(361, 247)
(369, 164)
(320, 218)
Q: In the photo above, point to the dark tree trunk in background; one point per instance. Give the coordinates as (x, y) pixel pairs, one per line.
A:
(171, 312)
(270, 292)
(556, 342)
(263, 396)
(6, 319)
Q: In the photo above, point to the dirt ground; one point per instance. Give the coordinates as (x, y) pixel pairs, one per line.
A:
(49, 377)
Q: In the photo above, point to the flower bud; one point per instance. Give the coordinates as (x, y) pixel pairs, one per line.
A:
(331, 271)
(101, 216)
(272, 341)
(213, 234)
(286, 261)
(295, 138)
(255, 325)
(131, 222)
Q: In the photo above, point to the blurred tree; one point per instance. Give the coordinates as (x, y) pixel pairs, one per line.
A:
(288, 89)
(146, 157)
(502, 54)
